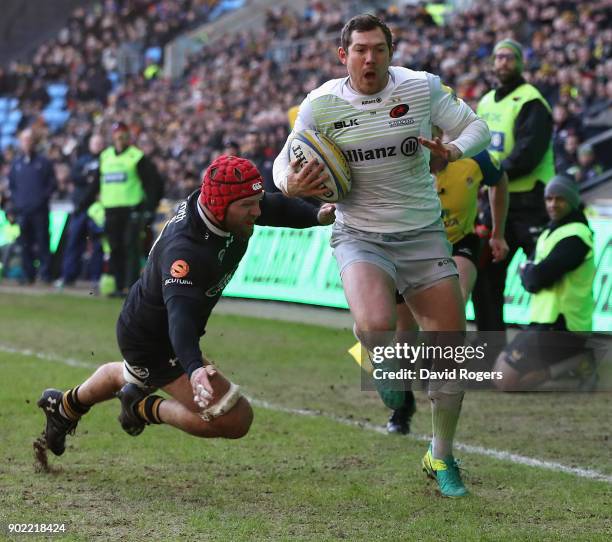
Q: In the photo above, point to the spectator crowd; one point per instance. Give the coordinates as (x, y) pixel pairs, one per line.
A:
(234, 93)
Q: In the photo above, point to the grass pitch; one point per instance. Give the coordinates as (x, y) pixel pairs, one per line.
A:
(293, 477)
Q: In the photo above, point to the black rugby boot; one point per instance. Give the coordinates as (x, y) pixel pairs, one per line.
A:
(130, 395)
(57, 426)
(399, 422)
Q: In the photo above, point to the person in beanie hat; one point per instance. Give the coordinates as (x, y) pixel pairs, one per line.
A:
(167, 309)
(560, 278)
(564, 188)
(511, 47)
(521, 125)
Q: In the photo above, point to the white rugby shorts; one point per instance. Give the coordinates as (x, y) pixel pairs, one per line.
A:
(415, 259)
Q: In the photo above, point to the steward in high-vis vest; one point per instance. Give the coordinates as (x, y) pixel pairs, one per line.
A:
(560, 278)
(130, 190)
(521, 126)
(563, 269)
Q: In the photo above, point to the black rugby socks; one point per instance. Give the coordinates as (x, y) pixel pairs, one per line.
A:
(71, 408)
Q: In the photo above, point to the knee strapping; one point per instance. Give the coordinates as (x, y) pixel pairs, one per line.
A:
(445, 393)
(136, 375)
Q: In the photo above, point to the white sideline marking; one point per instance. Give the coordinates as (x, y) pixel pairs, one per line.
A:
(500, 455)
(46, 357)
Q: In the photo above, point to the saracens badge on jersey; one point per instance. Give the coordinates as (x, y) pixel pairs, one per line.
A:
(399, 111)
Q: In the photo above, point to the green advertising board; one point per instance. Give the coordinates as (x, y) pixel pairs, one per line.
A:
(298, 266)
(284, 264)
(57, 222)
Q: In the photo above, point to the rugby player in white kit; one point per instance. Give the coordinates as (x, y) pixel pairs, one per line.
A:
(388, 231)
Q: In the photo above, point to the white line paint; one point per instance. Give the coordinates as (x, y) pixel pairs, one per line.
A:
(47, 357)
(500, 455)
(478, 450)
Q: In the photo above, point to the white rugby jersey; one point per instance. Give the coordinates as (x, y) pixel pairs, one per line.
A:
(392, 188)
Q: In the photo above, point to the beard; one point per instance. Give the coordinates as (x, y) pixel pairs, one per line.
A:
(506, 77)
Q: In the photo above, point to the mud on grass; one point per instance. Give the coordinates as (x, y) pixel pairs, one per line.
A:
(292, 477)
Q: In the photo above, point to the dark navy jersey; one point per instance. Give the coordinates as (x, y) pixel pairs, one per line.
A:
(188, 267)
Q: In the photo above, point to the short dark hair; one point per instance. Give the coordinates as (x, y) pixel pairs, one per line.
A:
(364, 23)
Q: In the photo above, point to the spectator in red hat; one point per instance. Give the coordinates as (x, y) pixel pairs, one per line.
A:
(166, 312)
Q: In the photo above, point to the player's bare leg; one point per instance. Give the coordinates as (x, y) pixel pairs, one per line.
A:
(440, 308)
(370, 292)
(139, 408)
(467, 276)
(407, 323)
(184, 413)
(103, 384)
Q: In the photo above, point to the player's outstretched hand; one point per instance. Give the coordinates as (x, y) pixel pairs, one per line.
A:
(448, 151)
(307, 182)
(326, 214)
(499, 248)
(203, 393)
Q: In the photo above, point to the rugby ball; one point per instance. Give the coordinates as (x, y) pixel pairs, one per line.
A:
(308, 145)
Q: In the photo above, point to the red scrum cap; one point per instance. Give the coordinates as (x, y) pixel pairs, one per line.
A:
(227, 179)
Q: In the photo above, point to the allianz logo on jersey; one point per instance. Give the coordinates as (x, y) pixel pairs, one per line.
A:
(409, 147)
(371, 101)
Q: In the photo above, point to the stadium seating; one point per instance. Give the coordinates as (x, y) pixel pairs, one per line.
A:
(10, 117)
(57, 91)
(55, 118)
(7, 104)
(282, 58)
(55, 114)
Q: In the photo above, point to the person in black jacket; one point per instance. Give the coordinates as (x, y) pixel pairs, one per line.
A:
(166, 311)
(523, 144)
(85, 178)
(31, 183)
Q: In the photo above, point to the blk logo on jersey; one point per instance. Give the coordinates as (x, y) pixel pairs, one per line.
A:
(179, 269)
(338, 125)
(399, 111)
